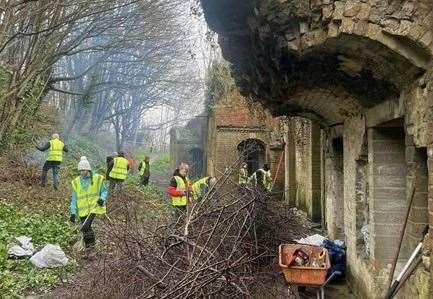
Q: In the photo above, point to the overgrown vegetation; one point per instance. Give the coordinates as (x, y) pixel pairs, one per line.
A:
(221, 87)
(19, 276)
(219, 83)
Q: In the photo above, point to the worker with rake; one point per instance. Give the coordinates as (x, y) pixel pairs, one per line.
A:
(55, 148)
(88, 199)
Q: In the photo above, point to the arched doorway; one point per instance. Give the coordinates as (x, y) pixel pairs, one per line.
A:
(252, 152)
(196, 155)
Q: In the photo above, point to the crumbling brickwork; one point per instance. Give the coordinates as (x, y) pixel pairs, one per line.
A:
(358, 65)
(233, 122)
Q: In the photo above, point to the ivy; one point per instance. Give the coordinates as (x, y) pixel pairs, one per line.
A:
(219, 84)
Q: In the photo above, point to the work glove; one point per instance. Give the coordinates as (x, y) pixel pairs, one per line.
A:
(100, 202)
(72, 218)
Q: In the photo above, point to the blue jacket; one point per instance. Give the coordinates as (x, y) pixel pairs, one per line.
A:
(85, 182)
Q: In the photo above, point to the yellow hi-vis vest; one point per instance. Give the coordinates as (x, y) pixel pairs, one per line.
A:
(55, 152)
(87, 200)
(266, 179)
(196, 187)
(143, 168)
(181, 186)
(242, 177)
(120, 168)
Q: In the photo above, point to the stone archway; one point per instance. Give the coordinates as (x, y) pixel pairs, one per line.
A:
(347, 63)
(253, 152)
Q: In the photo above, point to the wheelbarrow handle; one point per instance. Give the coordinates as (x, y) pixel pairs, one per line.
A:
(331, 277)
(321, 291)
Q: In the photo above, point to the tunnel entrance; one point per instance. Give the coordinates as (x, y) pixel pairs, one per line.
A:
(252, 152)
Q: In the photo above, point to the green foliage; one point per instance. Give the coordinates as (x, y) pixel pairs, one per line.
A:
(161, 162)
(141, 153)
(158, 163)
(82, 146)
(219, 83)
(18, 276)
(30, 95)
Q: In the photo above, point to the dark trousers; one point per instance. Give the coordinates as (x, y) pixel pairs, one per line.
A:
(55, 166)
(115, 184)
(86, 229)
(145, 180)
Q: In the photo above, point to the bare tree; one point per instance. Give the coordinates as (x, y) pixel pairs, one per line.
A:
(151, 66)
(35, 36)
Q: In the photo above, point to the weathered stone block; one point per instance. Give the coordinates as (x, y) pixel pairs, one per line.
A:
(416, 229)
(427, 39)
(419, 214)
(352, 8)
(390, 171)
(375, 15)
(389, 181)
(338, 10)
(386, 194)
(429, 136)
(364, 12)
(327, 13)
(416, 32)
(388, 146)
(389, 158)
(405, 27)
(360, 28)
(420, 199)
(389, 217)
(387, 230)
(347, 25)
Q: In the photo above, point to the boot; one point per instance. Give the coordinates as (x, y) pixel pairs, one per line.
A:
(89, 254)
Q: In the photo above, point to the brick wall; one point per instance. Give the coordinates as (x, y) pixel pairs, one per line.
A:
(236, 117)
(387, 189)
(232, 122)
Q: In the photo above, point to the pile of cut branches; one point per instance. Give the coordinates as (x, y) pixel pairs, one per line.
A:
(214, 250)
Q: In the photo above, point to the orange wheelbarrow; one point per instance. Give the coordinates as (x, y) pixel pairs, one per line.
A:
(308, 275)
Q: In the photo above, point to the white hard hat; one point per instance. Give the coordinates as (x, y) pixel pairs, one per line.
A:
(84, 164)
(55, 136)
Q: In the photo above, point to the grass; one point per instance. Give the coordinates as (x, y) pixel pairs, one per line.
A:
(42, 213)
(19, 276)
(161, 162)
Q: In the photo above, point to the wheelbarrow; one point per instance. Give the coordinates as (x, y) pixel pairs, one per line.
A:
(308, 275)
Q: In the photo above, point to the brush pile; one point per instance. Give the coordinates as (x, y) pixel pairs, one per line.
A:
(213, 251)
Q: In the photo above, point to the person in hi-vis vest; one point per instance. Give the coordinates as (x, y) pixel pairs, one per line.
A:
(88, 199)
(202, 186)
(261, 179)
(118, 170)
(180, 191)
(144, 169)
(55, 148)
